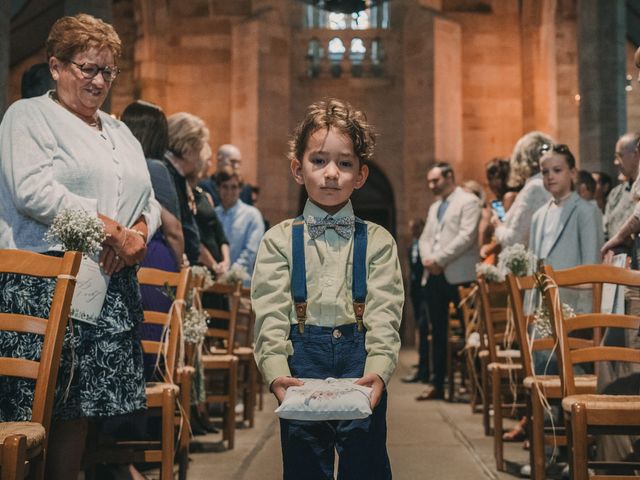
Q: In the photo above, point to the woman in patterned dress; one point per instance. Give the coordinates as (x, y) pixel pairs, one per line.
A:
(59, 151)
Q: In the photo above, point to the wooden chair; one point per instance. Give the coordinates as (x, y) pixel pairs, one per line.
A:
(168, 396)
(455, 344)
(539, 386)
(469, 309)
(502, 369)
(243, 349)
(23, 445)
(224, 359)
(587, 414)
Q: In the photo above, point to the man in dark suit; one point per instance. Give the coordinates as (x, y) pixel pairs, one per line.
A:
(416, 292)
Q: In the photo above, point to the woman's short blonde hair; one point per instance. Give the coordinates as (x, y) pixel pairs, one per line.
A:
(525, 159)
(79, 33)
(186, 133)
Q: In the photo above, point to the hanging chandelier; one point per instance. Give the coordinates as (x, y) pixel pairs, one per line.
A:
(343, 6)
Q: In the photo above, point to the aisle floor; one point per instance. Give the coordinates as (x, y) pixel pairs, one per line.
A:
(427, 440)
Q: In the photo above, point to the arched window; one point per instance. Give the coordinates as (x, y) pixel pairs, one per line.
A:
(375, 16)
(357, 52)
(336, 54)
(377, 56)
(314, 55)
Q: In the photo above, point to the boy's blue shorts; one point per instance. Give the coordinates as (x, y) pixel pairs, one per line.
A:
(308, 447)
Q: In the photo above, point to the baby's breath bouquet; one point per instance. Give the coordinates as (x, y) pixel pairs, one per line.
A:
(517, 260)
(82, 232)
(194, 325)
(491, 273)
(542, 319)
(236, 274)
(200, 271)
(77, 230)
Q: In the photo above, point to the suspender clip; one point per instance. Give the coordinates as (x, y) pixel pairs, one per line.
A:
(301, 313)
(358, 310)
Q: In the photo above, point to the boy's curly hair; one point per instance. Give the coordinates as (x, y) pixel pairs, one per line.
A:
(341, 116)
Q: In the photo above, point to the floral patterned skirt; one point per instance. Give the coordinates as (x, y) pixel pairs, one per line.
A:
(101, 366)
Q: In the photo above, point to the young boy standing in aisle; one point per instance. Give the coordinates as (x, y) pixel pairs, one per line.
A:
(328, 295)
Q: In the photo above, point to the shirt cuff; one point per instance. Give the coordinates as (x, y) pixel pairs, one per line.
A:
(274, 367)
(381, 366)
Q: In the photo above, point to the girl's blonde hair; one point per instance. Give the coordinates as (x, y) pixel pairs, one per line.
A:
(525, 159)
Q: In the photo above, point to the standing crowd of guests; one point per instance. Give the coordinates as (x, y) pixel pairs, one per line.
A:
(540, 200)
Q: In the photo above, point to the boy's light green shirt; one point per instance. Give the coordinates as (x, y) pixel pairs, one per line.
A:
(329, 275)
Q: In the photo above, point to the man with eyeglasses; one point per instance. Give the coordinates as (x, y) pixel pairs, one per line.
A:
(228, 156)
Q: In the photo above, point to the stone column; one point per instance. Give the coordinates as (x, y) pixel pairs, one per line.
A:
(5, 22)
(601, 79)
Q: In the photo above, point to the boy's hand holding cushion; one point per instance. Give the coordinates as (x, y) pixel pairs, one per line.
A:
(330, 399)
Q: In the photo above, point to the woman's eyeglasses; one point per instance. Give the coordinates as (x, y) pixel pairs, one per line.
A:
(557, 148)
(90, 70)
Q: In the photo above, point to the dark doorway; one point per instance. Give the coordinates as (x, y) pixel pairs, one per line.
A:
(374, 202)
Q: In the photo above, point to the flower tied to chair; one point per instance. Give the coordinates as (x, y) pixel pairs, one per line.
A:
(344, 226)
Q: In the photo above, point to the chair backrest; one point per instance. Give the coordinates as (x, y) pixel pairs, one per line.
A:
(518, 287)
(246, 319)
(468, 304)
(493, 313)
(573, 351)
(232, 292)
(178, 282)
(45, 371)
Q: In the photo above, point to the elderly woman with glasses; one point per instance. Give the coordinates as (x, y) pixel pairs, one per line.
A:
(59, 152)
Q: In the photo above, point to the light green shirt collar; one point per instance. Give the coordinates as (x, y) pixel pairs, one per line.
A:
(311, 209)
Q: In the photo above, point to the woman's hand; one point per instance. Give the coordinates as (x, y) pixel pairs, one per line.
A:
(279, 386)
(495, 221)
(221, 268)
(129, 245)
(373, 381)
(110, 261)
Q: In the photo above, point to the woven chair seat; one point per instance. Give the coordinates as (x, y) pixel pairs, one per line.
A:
(156, 388)
(584, 383)
(510, 353)
(216, 361)
(504, 366)
(33, 431)
(629, 403)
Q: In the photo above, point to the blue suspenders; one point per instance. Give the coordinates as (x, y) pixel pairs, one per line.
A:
(299, 272)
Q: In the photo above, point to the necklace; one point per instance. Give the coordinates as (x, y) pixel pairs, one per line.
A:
(94, 122)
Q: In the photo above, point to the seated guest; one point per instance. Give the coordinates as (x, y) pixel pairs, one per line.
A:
(242, 223)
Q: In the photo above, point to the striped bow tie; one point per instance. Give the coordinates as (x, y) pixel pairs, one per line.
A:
(343, 226)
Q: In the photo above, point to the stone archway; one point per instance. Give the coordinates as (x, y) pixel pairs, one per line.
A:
(374, 201)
